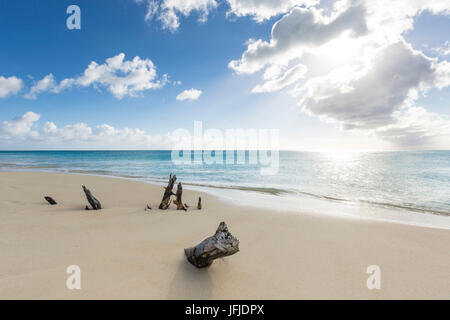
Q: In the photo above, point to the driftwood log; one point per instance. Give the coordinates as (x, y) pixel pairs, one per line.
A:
(220, 245)
(179, 201)
(92, 200)
(50, 200)
(165, 202)
(199, 204)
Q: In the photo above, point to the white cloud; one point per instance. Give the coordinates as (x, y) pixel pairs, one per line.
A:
(416, 127)
(168, 11)
(48, 83)
(265, 9)
(276, 82)
(24, 131)
(388, 20)
(120, 77)
(366, 98)
(444, 49)
(191, 94)
(380, 98)
(443, 75)
(45, 84)
(10, 86)
(371, 78)
(374, 23)
(299, 30)
(19, 127)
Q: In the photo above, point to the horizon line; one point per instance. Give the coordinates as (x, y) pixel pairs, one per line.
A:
(156, 150)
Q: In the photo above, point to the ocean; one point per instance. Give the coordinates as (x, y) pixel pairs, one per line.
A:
(410, 187)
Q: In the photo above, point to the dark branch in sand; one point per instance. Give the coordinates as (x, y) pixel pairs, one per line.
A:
(50, 200)
(179, 201)
(199, 204)
(92, 200)
(165, 202)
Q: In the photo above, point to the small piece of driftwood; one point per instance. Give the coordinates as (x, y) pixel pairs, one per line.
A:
(199, 204)
(165, 202)
(220, 245)
(50, 200)
(179, 201)
(95, 204)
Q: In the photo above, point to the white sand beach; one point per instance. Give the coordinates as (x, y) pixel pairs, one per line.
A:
(125, 252)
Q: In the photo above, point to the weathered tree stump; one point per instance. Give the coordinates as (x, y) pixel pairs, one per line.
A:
(220, 245)
(165, 202)
(92, 200)
(199, 204)
(179, 201)
(50, 200)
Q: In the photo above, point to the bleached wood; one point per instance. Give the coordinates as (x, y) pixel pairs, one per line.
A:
(221, 244)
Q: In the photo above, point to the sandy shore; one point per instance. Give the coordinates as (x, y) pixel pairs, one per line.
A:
(126, 252)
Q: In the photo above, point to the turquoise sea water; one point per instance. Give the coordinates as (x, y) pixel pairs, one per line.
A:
(410, 181)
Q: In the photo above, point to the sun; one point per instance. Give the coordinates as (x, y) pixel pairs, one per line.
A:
(340, 51)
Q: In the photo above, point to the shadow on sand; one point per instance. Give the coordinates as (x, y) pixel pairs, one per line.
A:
(191, 283)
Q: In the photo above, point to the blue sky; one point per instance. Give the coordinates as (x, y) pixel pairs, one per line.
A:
(197, 54)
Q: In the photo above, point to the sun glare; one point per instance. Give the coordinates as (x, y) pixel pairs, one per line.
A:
(341, 50)
(339, 156)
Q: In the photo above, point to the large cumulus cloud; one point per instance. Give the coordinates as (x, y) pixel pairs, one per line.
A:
(376, 87)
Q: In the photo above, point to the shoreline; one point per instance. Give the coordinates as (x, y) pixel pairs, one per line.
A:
(288, 202)
(125, 252)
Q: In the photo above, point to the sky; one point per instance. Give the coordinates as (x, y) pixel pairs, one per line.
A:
(358, 75)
